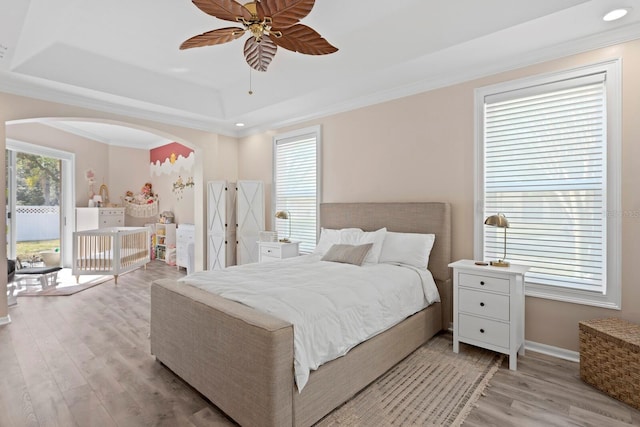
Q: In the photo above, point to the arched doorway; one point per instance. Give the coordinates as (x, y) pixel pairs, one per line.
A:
(116, 152)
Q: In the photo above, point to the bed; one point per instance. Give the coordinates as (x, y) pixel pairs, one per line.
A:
(242, 360)
(110, 251)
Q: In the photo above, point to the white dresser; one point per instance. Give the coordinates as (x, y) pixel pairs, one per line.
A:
(488, 307)
(93, 218)
(273, 251)
(185, 237)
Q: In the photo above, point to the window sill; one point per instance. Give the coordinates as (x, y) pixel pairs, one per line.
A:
(573, 296)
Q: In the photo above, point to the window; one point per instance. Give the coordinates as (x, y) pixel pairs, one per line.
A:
(296, 185)
(548, 153)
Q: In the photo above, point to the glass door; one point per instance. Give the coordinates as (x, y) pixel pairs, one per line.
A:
(34, 186)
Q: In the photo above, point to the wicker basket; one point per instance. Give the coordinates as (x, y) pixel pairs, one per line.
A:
(610, 358)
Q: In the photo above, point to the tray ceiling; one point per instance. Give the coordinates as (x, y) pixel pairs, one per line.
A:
(122, 56)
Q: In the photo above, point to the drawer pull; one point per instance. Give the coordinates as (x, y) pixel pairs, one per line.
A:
(482, 331)
(268, 251)
(481, 304)
(482, 283)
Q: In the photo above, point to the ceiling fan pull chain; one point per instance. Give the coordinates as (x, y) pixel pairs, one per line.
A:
(250, 88)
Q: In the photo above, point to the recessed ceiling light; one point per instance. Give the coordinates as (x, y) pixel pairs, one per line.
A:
(240, 124)
(615, 14)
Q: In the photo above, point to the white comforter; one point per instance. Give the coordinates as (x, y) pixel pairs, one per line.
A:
(332, 306)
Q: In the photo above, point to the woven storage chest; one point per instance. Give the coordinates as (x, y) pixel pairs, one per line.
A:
(610, 358)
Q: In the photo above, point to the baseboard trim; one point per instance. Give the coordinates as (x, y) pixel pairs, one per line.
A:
(5, 320)
(549, 350)
(560, 353)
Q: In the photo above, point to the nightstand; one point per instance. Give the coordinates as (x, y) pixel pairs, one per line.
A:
(273, 251)
(488, 307)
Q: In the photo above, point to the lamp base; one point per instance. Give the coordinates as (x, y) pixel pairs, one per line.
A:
(500, 263)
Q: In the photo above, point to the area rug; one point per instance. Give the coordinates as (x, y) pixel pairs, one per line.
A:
(66, 285)
(431, 387)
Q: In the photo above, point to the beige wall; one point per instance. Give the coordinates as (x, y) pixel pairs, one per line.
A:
(181, 204)
(255, 163)
(422, 148)
(216, 158)
(128, 171)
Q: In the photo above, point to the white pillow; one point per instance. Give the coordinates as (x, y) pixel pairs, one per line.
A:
(357, 237)
(330, 237)
(407, 248)
(351, 236)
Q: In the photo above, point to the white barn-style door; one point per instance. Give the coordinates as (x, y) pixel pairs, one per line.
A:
(221, 224)
(251, 211)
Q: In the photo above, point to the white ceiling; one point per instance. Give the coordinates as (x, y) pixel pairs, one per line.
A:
(122, 56)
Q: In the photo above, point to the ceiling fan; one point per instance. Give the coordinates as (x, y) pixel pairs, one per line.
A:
(271, 23)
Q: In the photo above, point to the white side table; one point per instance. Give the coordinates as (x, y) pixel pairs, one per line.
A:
(488, 307)
(273, 251)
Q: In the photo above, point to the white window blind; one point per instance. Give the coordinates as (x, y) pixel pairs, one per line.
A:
(296, 187)
(545, 160)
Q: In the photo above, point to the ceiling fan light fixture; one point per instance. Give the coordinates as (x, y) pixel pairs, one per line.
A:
(271, 24)
(615, 14)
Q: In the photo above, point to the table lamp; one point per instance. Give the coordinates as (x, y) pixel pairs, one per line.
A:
(499, 221)
(285, 215)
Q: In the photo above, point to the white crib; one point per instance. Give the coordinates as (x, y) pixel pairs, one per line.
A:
(110, 251)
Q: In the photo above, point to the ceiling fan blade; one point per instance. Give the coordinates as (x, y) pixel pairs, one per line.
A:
(284, 13)
(227, 10)
(210, 38)
(259, 54)
(303, 39)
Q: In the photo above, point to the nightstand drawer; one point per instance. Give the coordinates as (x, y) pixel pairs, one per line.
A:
(484, 330)
(484, 304)
(271, 251)
(484, 282)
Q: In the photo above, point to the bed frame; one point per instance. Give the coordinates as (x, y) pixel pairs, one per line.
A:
(110, 251)
(242, 360)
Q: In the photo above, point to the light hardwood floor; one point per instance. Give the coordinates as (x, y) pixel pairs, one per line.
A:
(546, 391)
(84, 360)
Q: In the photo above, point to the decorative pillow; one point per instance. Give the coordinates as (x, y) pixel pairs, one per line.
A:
(330, 237)
(348, 254)
(407, 248)
(355, 236)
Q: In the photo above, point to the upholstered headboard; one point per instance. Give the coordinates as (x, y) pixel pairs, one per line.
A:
(420, 217)
(428, 217)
